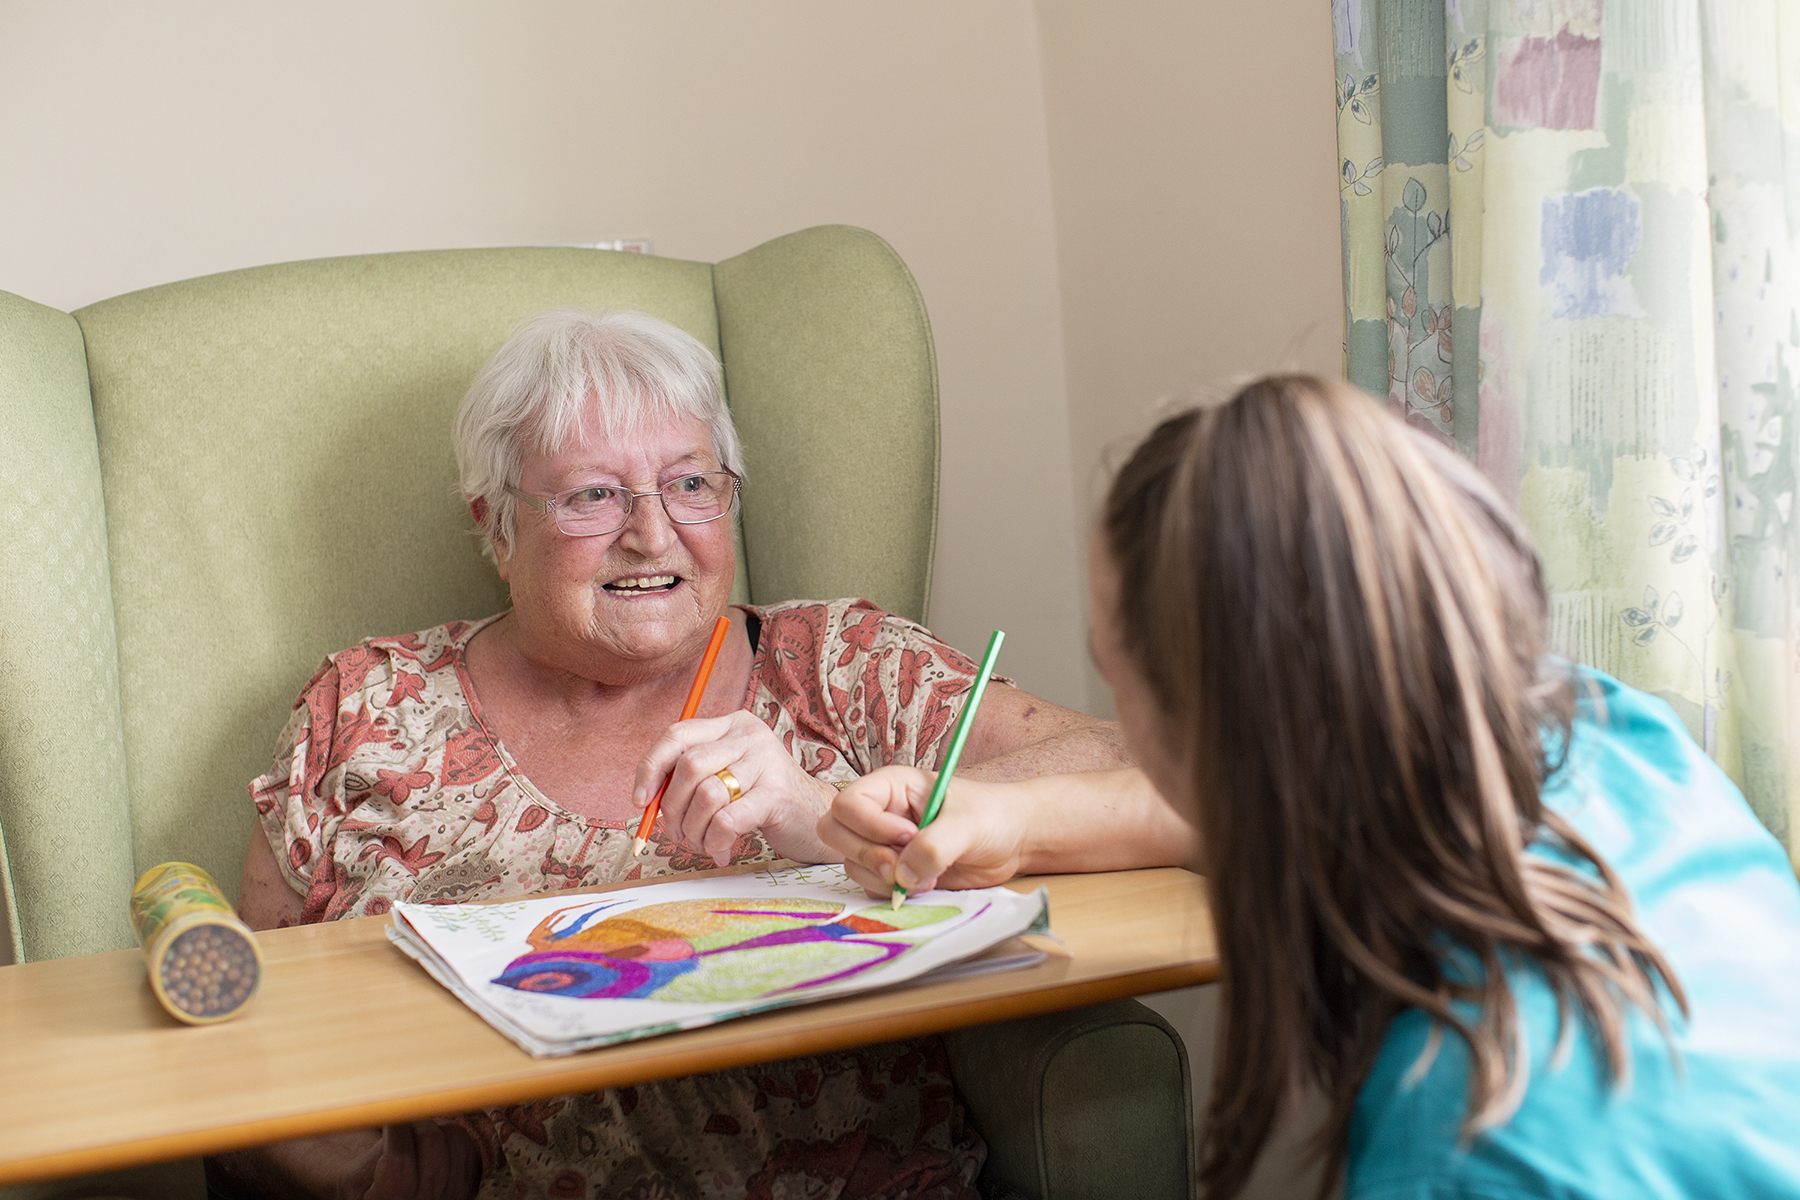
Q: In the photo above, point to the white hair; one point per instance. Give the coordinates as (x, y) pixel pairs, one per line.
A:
(633, 368)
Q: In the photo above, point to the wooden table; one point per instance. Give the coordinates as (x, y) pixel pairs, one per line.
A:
(347, 1032)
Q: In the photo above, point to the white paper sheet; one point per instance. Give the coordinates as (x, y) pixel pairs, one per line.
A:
(558, 974)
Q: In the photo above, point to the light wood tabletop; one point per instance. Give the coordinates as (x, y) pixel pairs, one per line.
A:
(347, 1032)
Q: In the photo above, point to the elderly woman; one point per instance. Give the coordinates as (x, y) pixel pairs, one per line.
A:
(516, 754)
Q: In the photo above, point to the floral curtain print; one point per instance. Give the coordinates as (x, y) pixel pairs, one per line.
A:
(1570, 249)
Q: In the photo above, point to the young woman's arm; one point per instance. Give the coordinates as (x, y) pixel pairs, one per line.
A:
(989, 832)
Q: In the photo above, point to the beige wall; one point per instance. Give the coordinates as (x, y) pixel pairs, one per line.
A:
(1192, 151)
(1151, 176)
(147, 143)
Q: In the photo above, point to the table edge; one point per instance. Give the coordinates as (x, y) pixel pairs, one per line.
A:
(754, 1049)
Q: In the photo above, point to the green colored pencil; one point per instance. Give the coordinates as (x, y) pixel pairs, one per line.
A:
(963, 724)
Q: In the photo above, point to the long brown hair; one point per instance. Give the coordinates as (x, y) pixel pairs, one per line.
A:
(1343, 629)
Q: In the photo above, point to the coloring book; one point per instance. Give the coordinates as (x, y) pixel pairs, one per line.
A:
(558, 974)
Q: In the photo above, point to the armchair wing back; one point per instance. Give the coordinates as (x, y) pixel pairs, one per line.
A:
(210, 485)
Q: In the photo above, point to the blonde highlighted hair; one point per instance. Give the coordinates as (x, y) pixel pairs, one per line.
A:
(1344, 630)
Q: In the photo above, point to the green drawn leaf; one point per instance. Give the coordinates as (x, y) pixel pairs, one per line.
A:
(1673, 610)
(1413, 197)
(1646, 635)
(1360, 111)
(1636, 617)
(1663, 531)
(1361, 188)
(1683, 468)
(1661, 507)
(1684, 549)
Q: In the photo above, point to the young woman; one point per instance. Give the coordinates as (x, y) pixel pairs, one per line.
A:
(1523, 934)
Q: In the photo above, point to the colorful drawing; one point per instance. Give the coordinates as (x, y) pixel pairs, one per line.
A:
(703, 951)
(686, 953)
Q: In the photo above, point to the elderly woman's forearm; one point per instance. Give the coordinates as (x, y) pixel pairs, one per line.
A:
(1095, 747)
(1100, 821)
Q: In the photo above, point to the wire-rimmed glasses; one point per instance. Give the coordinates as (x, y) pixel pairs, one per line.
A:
(600, 508)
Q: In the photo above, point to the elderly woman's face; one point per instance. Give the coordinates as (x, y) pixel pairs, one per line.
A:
(627, 606)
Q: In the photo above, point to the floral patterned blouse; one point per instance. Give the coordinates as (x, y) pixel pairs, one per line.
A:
(387, 786)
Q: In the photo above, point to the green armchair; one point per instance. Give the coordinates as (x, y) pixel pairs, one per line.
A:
(210, 485)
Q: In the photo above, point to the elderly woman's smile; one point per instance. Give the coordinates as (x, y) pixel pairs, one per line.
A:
(643, 585)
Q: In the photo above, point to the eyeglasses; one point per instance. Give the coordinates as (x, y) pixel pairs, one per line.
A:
(601, 508)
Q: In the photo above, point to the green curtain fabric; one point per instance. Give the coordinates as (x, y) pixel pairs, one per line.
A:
(1570, 248)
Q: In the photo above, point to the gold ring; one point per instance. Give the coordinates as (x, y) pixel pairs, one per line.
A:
(732, 789)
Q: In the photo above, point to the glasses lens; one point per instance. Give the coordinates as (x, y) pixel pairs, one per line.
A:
(591, 510)
(693, 499)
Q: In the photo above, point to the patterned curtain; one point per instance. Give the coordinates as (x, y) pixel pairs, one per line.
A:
(1570, 248)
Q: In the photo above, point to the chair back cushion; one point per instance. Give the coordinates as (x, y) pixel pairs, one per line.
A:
(833, 384)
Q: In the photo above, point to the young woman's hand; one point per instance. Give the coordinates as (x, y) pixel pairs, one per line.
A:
(978, 839)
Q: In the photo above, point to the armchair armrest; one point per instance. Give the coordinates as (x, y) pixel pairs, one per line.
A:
(1091, 1102)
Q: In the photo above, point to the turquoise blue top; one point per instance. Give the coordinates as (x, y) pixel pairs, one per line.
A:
(1716, 893)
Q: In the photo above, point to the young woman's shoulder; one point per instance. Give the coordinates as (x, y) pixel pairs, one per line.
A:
(1647, 795)
(1714, 891)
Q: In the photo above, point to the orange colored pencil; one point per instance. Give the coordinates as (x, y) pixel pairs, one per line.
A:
(720, 628)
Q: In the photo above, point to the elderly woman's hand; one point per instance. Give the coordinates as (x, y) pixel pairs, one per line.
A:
(977, 840)
(776, 796)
